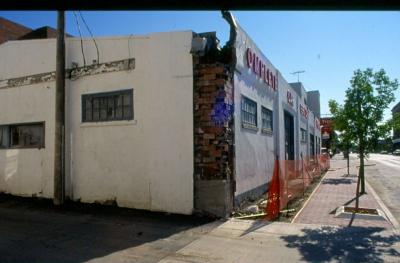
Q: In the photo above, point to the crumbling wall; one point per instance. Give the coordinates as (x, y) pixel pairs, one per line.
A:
(213, 138)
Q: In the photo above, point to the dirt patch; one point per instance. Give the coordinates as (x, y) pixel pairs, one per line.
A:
(247, 208)
(366, 211)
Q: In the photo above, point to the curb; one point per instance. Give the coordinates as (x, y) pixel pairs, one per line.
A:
(386, 210)
(309, 198)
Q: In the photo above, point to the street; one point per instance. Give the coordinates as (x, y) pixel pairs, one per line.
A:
(36, 231)
(384, 177)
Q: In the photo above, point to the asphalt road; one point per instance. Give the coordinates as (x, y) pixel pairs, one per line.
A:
(384, 177)
(36, 231)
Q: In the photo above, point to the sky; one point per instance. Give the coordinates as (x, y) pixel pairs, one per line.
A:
(329, 46)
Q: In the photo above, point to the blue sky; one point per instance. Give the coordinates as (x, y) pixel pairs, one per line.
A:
(329, 46)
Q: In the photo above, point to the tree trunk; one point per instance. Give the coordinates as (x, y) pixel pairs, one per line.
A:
(361, 170)
(357, 190)
(348, 162)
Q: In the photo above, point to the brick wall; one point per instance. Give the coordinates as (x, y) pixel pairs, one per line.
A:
(213, 138)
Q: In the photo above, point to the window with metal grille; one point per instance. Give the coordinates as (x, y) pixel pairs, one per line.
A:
(107, 106)
(266, 120)
(249, 113)
(26, 135)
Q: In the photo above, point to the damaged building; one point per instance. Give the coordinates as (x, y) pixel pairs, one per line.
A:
(164, 122)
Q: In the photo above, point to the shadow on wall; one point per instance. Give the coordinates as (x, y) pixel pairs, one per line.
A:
(347, 244)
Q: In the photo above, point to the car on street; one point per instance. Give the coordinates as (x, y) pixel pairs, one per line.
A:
(396, 152)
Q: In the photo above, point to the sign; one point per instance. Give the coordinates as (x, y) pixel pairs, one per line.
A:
(259, 68)
(304, 111)
(327, 124)
(317, 125)
(289, 97)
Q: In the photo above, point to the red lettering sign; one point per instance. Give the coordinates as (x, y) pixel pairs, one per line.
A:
(304, 111)
(289, 98)
(317, 125)
(259, 68)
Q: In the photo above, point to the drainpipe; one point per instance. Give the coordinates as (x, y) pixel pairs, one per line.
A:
(59, 145)
(230, 47)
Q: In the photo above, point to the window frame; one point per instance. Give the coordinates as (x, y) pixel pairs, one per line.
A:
(265, 129)
(10, 146)
(303, 139)
(107, 96)
(244, 123)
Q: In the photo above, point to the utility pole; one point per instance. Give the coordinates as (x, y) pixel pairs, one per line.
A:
(60, 112)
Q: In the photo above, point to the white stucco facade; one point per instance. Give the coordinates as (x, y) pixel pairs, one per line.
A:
(255, 151)
(130, 162)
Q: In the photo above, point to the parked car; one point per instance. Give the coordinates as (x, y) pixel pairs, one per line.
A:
(396, 152)
(384, 152)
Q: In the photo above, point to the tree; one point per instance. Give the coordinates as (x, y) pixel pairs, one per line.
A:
(361, 115)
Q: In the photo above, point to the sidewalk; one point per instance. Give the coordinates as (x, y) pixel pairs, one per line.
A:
(337, 189)
(246, 241)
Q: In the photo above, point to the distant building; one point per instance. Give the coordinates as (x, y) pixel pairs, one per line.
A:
(10, 30)
(313, 102)
(396, 132)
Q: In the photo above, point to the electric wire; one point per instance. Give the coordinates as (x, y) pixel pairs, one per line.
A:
(80, 34)
(94, 40)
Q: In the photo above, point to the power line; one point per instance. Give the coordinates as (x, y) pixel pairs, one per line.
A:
(80, 34)
(94, 40)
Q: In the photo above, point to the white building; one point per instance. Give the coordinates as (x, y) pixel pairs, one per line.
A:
(136, 118)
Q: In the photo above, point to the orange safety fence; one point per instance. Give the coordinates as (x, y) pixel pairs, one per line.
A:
(292, 177)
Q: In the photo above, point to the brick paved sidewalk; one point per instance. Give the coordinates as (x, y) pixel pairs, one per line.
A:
(337, 189)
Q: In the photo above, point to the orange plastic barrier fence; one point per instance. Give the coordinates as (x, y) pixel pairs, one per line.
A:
(295, 176)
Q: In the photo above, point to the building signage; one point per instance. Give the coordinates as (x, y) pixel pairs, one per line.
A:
(326, 125)
(304, 111)
(289, 97)
(259, 68)
(317, 125)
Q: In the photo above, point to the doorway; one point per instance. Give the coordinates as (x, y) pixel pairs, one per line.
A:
(289, 136)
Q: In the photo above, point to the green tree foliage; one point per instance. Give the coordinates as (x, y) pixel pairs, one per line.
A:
(360, 118)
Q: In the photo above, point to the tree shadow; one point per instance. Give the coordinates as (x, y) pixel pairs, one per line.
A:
(337, 181)
(345, 244)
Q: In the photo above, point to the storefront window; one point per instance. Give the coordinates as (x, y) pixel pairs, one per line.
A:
(267, 121)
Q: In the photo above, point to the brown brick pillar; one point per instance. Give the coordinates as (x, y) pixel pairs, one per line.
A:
(213, 139)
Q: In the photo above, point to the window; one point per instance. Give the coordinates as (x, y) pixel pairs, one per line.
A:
(249, 113)
(107, 106)
(266, 119)
(303, 135)
(22, 135)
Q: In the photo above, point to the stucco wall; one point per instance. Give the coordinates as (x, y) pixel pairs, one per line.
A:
(28, 172)
(254, 150)
(145, 163)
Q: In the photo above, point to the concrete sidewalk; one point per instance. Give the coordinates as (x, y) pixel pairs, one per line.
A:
(261, 241)
(315, 236)
(337, 189)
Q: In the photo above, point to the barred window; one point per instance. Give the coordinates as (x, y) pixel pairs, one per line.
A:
(29, 135)
(107, 106)
(249, 113)
(266, 119)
